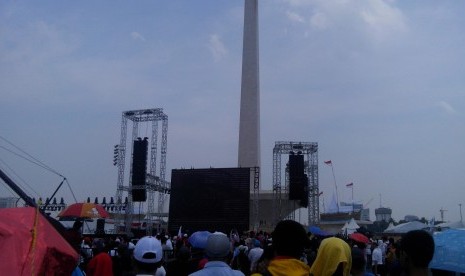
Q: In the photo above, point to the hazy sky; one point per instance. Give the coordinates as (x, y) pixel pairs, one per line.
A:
(380, 85)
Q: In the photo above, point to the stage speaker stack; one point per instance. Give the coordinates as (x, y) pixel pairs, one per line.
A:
(304, 200)
(100, 229)
(297, 181)
(139, 170)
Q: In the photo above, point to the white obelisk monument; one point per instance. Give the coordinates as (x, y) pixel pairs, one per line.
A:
(249, 128)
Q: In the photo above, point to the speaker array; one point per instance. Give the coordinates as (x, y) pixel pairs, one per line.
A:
(139, 170)
(298, 180)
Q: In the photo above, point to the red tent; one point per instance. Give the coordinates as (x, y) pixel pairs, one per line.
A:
(30, 245)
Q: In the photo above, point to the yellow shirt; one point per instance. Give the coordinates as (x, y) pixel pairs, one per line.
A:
(287, 267)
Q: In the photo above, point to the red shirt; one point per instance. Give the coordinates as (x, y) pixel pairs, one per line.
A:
(100, 265)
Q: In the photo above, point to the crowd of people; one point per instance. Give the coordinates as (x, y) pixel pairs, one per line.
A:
(288, 250)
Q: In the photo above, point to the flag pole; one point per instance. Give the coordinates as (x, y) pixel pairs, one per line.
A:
(352, 187)
(335, 185)
(324, 208)
(330, 163)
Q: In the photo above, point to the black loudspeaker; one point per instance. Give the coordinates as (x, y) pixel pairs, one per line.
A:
(296, 177)
(139, 195)
(139, 169)
(304, 200)
(100, 229)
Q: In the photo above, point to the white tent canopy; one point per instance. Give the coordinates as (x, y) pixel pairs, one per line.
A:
(390, 226)
(350, 227)
(451, 225)
(406, 227)
(352, 224)
(344, 227)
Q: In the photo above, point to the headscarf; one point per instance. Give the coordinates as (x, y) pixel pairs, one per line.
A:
(331, 253)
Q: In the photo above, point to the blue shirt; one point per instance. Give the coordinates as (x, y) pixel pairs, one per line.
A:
(217, 268)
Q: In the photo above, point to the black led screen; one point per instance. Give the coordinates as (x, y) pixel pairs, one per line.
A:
(209, 199)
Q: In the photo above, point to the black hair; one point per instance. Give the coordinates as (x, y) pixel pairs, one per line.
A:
(289, 238)
(358, 259)
(419, 246)
(391, 240)
(77, 224)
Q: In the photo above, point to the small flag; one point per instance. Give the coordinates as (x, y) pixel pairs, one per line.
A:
(328, 162)
(350, 184)
(180, 232)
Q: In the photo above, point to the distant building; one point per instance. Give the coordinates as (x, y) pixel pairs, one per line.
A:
(383, 214)
(349, 206)
(356, 207)
(365, 214)
(8, 202)
(409, 218)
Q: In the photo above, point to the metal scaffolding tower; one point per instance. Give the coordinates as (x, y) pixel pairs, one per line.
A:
(156, 186)
(280, 194)
(255, 198)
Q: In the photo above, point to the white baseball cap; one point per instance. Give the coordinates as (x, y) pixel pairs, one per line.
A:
(148, 250)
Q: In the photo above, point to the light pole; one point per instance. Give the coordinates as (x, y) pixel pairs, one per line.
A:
(351, 186)
(460, 205)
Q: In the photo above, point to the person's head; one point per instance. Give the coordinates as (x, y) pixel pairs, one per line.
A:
(333, 258)
(289, 238)
(391, 240)
(358, 262)
(77, 225)
(148, 254)
(393, 247)
(98, 246)
(183, 254)
(87, 241)
(416, 249)
(218, 247)
(267, 255)
(256, 243)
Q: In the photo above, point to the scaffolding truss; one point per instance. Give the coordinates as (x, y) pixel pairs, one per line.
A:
(281, 194)
(156, 185)
(255, 197)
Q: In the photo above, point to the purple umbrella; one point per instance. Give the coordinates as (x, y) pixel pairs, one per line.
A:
(199, 239)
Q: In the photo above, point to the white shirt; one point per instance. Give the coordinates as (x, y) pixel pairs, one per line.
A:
(377, 256)
(160, 271)
(368, 249)
(254, 254)
(169, 245)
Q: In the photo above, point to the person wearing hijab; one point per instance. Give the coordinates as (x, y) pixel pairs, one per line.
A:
(333, 258)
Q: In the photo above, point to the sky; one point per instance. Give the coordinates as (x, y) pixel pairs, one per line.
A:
(378, 84)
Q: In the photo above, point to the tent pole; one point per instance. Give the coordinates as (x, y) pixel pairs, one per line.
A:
(17, 190)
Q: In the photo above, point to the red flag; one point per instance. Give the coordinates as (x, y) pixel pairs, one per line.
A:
(350, 184)
(328, 162)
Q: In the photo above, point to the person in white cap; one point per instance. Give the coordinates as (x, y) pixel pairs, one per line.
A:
(218, 249)
(148, 257)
